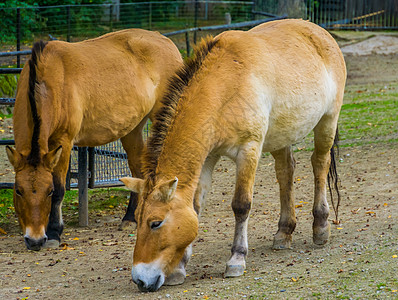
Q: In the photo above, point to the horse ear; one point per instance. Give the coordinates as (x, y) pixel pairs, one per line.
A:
(51, 158)
(13, 156)
(168, 189)
(134, 184)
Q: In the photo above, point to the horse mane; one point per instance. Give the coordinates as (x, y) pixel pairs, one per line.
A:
(166, 114)
(34, 156)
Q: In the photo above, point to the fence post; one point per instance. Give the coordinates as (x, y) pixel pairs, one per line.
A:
(195, 20)
(111, 17)
(187, 43)
(91, 167)
(82, 184)
(68, 21)
(150, 15)
(18, 36)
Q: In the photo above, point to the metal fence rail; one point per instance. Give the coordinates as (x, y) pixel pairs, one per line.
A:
(337, 14)
(106, 164)
(77, 22)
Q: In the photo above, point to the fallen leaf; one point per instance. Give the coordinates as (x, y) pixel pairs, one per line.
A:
(2, 231)
(109, 244)
(26, 288)
(294, 279)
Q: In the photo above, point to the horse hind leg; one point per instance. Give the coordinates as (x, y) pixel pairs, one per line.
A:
(284, 168)
(246, 165)
(133, 144)
(324, 135)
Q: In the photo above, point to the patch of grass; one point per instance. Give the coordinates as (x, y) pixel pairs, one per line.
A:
(368, 116)
(369, 120)
(6, 206)
(101, 202)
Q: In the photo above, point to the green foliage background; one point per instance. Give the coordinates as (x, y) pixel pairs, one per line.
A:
(36, 18)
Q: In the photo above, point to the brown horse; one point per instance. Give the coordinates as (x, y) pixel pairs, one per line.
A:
(88, 94)
(243, 93)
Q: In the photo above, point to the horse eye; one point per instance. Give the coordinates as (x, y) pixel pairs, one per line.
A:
(18, 192)
(50, 193)
(156, 224)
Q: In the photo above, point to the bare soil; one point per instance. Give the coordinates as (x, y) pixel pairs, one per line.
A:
(359, 262)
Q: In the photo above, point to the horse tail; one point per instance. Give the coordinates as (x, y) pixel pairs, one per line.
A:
(333, 178)
(34, 156)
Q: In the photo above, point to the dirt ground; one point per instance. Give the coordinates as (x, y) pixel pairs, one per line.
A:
(359, 262)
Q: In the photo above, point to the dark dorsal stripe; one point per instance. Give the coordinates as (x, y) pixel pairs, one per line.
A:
(167, 112)
(34, 156)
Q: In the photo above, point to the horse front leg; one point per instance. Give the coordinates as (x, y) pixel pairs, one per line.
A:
(55, 224)
(284, 168)
(133, 144)
(204, 185)
(246, 165)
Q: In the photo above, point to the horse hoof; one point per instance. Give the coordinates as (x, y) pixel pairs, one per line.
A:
(321, 235)
(281, 245)
(127, 225)
(175, 278)
(321, 239)
(51, 244)
(234, 271)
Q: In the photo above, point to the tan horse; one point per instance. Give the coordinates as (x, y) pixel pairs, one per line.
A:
(242, 94)
(88, 94)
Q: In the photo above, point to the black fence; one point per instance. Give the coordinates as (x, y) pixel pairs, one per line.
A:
(337, 14)
(103, 166)
(79, 22)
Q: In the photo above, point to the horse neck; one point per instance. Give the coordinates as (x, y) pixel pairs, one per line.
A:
(188, 143)
(23, 121)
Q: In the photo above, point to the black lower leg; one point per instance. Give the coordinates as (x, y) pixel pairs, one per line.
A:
(55, 224)
(130, 213)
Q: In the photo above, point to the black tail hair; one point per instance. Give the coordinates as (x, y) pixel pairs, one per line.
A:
(34, 156)
(333, 178)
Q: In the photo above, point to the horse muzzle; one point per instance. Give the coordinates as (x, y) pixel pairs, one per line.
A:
(148, 277)
(35, 244)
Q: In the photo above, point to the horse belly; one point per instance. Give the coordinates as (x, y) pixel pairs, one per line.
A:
(293, 115)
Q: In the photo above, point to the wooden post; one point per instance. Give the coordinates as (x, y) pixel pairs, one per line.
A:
(68, 22)
(187, 43)
(82, 184)
(18, 36)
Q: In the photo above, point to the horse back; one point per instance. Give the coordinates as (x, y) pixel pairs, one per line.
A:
(292, 74)
(98, 90)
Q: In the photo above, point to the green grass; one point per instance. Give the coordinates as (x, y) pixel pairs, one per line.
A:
(101, 202)
(368, 116)
(6, 205)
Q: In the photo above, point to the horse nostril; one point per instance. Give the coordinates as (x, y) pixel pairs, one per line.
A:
(33, 244)
(141, 285)
(44, 240)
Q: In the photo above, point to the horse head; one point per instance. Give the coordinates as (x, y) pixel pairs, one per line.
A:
(166, 226)
(33, 191)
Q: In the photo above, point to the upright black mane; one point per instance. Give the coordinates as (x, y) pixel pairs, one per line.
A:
(165, 115)
(34, 156)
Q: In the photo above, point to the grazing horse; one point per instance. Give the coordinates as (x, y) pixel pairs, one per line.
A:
(243, 93)
(87, 94)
